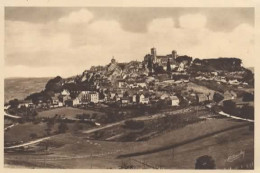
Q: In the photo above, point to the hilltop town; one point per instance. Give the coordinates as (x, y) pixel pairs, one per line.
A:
(133, 101)
(169, 80)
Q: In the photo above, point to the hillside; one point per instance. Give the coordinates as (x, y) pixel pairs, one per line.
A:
(21, 87)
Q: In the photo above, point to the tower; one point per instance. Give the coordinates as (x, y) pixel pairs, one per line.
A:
(174, 55)
(153, 52)
(113, 61)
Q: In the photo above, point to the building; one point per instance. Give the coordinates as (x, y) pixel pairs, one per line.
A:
(174, 101)
(141, 84)
(162, 59)
(83, 97)
(143, 99)
(229, 94)
(164, 96)
(88, 96)
(125, 100)
(55, 99)
(65, 93)
(121, 84)
(93, 97)
(25, 103)
(76, 101)
(134, 98)
(202, 97)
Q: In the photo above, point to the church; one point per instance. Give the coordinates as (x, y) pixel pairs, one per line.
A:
(162, 59)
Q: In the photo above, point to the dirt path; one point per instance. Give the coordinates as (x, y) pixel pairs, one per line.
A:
(11, 116)
(28, 143)
(11, 126)
(234, 117)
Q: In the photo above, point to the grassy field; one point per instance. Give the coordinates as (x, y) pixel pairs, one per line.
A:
(68, 112)
(219, 147)
(76, 151)
(22, 132)
(200, 89)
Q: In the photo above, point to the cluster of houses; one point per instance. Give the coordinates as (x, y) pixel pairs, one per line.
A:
(129, 84)
(220, 79)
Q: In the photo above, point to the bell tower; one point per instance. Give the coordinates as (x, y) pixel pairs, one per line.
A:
(154, 56)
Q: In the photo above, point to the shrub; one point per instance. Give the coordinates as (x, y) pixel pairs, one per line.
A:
(247, 97)
(205, 162)
(63, 127)
(126, 165)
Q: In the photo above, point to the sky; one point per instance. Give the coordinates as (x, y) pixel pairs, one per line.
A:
(51, 41)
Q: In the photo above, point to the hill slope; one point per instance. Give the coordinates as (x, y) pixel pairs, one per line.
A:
(21, 87)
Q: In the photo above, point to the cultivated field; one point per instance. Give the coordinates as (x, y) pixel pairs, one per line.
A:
(67, 112)
(78, 151)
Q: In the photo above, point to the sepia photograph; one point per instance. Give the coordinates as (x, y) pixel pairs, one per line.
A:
(107, 87)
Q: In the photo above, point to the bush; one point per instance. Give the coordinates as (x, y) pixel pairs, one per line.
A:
(205, 162)
(247, 97)
(217, 97)
(126, 165)
(63, 127)
(230, 107)
(247, 112)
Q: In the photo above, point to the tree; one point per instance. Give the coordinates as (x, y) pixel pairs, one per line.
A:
(168, 66)
(14, 103)
(150, 64)
(229, 107)
(205, 162)
(50, 125)
(63, 127)
(217, 97)
(126, 94)
(101, 95)
(247, 112)
(54, 84)
(180, 59)
(247, 97)
(126, 165)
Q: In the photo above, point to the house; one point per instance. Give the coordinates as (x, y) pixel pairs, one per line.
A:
(229, 94)
(65, 92)
(112, 95)
(134, 98)
(141, 84)
(125, 100)
(93, 97)
(76, 101)
(181, 67)
(60, 104)
(164, 96)
(234, 82)
(25, 103)
(83, 97)
(143, 99)
(202, 97)
(55, 99)
(65, 98)
(174, 101)
(121, 84)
